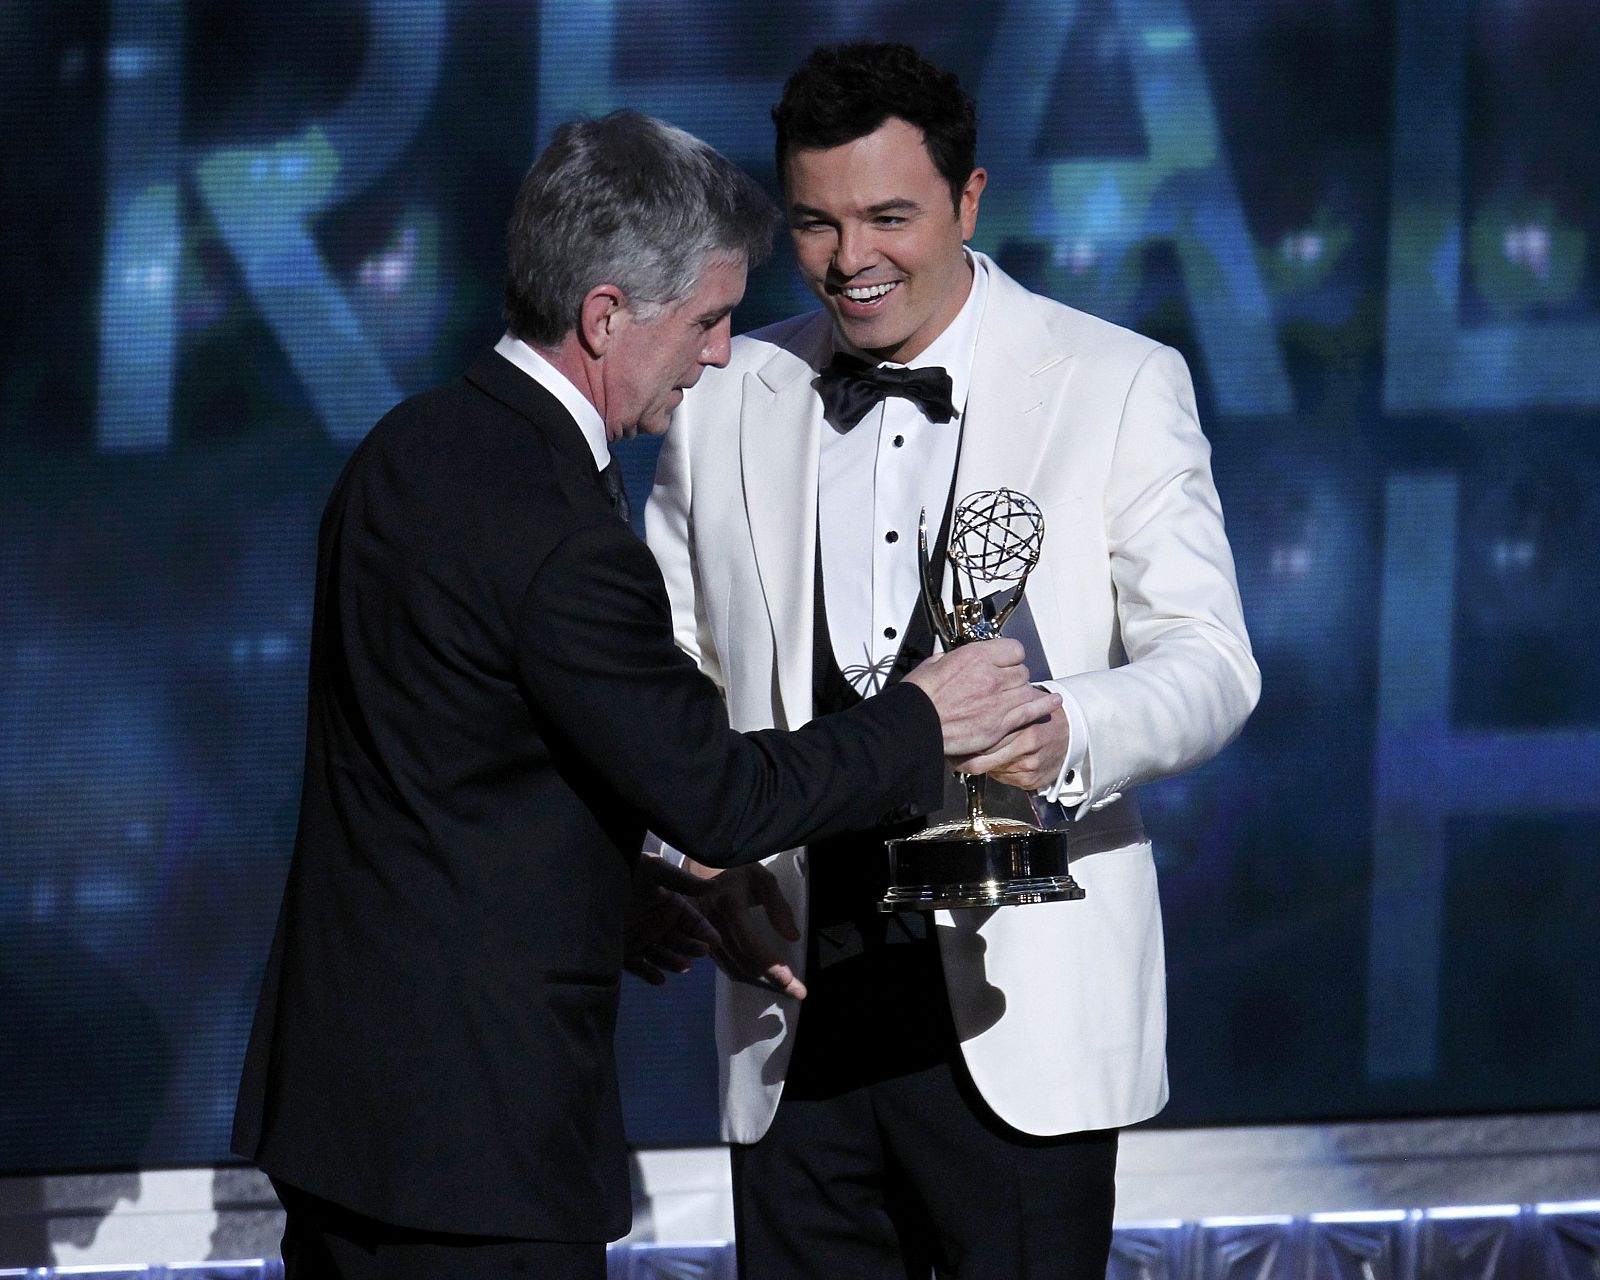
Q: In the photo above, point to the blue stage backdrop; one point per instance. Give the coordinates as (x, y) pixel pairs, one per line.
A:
(235, 234)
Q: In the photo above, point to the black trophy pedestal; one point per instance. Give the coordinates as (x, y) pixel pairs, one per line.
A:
(1002, 864)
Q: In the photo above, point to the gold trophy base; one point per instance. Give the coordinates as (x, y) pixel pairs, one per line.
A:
(995, 862)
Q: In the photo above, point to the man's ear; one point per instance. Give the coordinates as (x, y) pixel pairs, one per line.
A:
(603, 312)
(967, 205)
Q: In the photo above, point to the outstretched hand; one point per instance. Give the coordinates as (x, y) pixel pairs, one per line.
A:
(663, 930)
(746, 952)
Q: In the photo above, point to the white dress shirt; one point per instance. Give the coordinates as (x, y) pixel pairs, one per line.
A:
(563, 389)
(873, 484)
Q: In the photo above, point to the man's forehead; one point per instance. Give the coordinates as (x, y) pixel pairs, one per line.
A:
(891, 126)
(877, 168)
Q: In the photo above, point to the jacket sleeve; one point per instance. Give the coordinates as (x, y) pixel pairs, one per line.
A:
(1190, 681)
(607, 685)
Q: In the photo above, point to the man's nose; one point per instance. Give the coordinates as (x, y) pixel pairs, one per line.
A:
(854, 252)
(719, 344)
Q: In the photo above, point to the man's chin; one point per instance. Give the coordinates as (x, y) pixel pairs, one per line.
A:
(877, 344)
(866, 334)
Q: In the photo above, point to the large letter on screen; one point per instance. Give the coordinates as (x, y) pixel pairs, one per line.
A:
(1181, 192)
(263, 199)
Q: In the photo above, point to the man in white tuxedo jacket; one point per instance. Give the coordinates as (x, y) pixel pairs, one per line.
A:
(946, 1097)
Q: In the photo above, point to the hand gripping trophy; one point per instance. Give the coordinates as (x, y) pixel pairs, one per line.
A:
(980, 861)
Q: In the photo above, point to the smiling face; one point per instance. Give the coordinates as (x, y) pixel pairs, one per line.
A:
(652, 361)
(878, 240)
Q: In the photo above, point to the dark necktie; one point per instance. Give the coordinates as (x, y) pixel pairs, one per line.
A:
(611, 482)
(850, 387)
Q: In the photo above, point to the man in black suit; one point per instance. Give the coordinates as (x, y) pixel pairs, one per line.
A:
(497, 713)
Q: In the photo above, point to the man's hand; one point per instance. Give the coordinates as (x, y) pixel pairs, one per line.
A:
(663, 930)
(1031, 758)
(745, 954)
(983, 697)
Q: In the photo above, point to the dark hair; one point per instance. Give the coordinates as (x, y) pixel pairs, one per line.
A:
(625, 200)
(846, 91)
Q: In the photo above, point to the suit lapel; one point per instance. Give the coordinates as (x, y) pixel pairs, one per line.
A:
(1017, 368)
(780, 429)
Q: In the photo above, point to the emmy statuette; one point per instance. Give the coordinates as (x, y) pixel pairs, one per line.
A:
(980, 861)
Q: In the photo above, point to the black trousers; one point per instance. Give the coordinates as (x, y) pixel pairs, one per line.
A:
(912, 1176)
(322, 1241)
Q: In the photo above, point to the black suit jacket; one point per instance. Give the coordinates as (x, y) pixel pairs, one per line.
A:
(497, 713)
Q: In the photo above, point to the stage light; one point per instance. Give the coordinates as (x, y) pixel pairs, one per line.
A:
(390, 270)
(1528, 245)
(1291, 561)
(273, 647)
(1076, 256)
(1362, 1215)
(1449, 1212)
(1302, 247)
(1569, 1206)
(1514, 555)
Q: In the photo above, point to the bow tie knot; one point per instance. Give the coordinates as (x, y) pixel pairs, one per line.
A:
(850, 387)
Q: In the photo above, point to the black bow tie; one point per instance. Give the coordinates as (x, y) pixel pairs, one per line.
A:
(850, 387)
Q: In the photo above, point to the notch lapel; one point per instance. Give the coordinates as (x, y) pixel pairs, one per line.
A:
(780, 427)
(1017, 368)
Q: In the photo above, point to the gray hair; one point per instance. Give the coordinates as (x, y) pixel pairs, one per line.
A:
(631, 201)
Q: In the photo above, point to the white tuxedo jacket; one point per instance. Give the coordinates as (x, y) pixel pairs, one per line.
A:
(1060, 1007)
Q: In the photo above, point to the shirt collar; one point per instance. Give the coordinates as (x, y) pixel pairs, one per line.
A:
(563, 389)
(953, 349)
